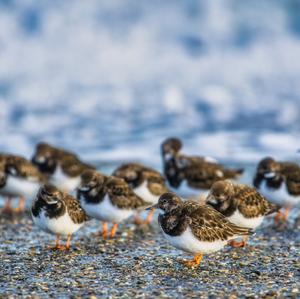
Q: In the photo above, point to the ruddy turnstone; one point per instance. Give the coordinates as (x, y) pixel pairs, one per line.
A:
(3, 176)
(58, 213)
(279, 182)
(146, 183)
(240, 204)
(21, 179)
(108, 199)
(199, 173)
(195, 228)
(63, 168)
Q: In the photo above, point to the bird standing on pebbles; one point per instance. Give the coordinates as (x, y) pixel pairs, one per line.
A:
(195, 228)
(62, 167)
(198, 173)
(240, 204)
(145, 182)
(58, 213)
(279, 182)
(20, 178)
(108, 199)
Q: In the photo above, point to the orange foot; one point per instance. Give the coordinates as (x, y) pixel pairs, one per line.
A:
(237, 244)
(138, 220)
(195, 262)
(7, 209)
(19, 210)
(282, 216)
(58, 247)
(21, 206)
(149, 217)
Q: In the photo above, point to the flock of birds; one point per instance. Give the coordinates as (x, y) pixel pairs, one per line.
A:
(66, 193)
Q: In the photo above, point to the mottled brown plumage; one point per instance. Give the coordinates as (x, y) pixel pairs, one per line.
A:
(55, 203)
(227, 197)
(198, 172)
(136, 174)
(21, 167)
(284, 173)
(48, 157)
(209, 225)
(206, 223)
(122, 196)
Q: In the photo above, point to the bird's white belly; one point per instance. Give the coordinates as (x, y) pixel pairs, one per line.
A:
(106, 211)
(189, 243)
(17, 186)
(238, 219)
(143, 192)
(62, 225)
(63, 181)
(279, 196)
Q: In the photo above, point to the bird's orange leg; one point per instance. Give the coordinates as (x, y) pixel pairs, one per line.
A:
(68, 243)
(286, 214)
(237, 244)
(113, 230)
(149, 216)
(104, 230)
(57, 244)
(195, 262)
(278, 217)
(137, 219)
(21, 206)
(282, 216)
(7, 209)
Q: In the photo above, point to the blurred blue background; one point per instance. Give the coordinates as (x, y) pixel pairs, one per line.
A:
(111, 79)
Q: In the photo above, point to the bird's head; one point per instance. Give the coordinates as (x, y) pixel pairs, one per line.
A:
(268, 168)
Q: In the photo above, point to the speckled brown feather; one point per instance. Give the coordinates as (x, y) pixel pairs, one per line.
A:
(209, 225)
(24, 168)
(69, 162)
(202, 174)
(122, 196)
(291, 173)
(75, 211)
(72, 166)
(286, 172)
(251, 203)
(135, 174)
(156, 182)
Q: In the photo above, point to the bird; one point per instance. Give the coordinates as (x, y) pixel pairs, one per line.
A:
(108, 199)
(20, 178)
(145, 182)
(198, 173)
(63, 168)
(279, 182)
(195, 228)
(58, 213)
(240, 204)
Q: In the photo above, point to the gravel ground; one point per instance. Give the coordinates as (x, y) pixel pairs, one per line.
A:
(139, 263)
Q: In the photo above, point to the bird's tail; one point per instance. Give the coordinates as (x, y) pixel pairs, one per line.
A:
(233, 173)
(272, 208)
(243, 231)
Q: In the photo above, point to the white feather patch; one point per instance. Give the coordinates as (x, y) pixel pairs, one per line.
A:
(143, 192)
(62, 225)
(279, 196)
(239, 219)
(106, 211)
(63, 181)
(189, 243)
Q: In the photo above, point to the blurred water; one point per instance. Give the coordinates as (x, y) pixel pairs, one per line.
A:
(112, 79)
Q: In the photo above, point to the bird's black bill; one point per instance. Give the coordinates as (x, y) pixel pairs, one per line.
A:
(152, 207)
